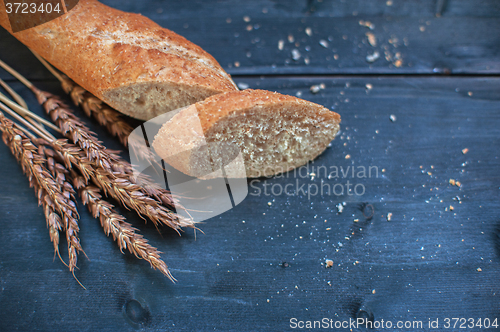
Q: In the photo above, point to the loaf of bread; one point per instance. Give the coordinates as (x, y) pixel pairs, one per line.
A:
(125, 59)
(274, 133)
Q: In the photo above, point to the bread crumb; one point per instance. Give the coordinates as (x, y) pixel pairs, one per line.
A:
(479, 269)
(367, 24)
(236, 64)
(451, 208)
(398, 63)
(323, 43)
(452, 182)
(464, 151)
(368, 86)
(281, 44)
(388, 3)
(291, 39)
(371, 39)
(249, 27)
(308, 31)
(393, 118)
(389, 216)
(243, 86)
(246, 19)
(329, 263)
(336, 56)
(347, 156)
(356, 220)
(316, 88)
(470, 93)
(458, 184)
(373, 57)
(269, 203)
(373, 291)
(422, 28)
(340, 208)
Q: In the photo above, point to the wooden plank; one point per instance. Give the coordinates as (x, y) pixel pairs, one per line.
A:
(464, 40)
(259, 265)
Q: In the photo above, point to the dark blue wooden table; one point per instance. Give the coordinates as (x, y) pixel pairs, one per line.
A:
(415, 82)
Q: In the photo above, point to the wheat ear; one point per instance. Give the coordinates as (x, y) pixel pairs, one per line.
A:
(93, 107)
(113, 223)
(50, 195)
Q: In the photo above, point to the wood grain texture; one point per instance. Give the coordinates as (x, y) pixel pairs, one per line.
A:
(422, 264)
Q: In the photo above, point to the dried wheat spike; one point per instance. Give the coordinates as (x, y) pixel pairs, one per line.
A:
(112, 222)
(107, 160)
(53, 219)
(92, 106)
(49, 192)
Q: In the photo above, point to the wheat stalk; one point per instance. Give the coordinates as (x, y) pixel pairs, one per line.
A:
(92, 106)
(53, 219)
(118, 186)
(108, 171)
(60, 209)
(106, 116)
(113, 223)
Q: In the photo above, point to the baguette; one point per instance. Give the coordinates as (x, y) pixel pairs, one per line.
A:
(125, 59)
(274, 133)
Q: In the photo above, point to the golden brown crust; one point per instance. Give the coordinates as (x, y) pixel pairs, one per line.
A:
(104, 49)
(219, 106)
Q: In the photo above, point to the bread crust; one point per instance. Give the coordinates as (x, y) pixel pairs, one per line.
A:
(180, 140)
(106, 51)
